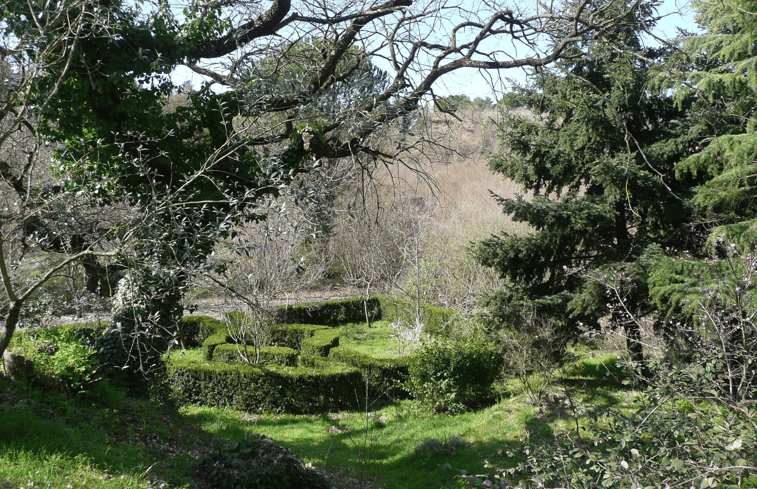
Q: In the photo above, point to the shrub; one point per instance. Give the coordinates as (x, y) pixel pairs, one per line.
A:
(62, 355)
(321, 342)
(453, 374)
(384, 375)
(329, 312)
(85, 333)
(129, 352)
(72, 364)
(264, 388)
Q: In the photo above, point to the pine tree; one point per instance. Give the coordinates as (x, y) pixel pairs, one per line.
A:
(597, 155)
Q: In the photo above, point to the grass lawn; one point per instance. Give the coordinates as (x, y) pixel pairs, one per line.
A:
(397, 447)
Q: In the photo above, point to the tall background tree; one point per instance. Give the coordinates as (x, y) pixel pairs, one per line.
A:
(191, 171)
(595, 158)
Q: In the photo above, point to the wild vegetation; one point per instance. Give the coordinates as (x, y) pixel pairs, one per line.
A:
(592, 325)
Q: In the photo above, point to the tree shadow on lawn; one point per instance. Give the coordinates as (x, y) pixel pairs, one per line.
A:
(396, 452)
(81, 437)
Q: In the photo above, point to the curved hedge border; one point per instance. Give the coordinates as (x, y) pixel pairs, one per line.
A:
(278, 355)
(194, 330)
(330, 312)
(292, 335)
(436, 319)
(267, 388)
(384, 375)
(321, 342)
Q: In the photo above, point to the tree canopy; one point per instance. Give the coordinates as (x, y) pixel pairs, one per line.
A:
(632, 156)
(291, 84)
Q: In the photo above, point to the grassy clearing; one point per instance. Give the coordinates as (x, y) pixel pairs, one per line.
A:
(50, 441)
(397, 447)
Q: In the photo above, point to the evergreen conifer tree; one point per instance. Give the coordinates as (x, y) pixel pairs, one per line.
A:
(597, 154)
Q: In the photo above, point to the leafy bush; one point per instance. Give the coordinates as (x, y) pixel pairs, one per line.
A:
(453, 374)
(62, 356)
(130, 351)
(532, 353)
(73, 364)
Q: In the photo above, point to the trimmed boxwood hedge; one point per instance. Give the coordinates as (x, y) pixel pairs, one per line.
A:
(279, 355)
(194, 330)
(321, 342)
(212, 342)
(269, 388)
(329, 312)
(436, 319)
(384, 375)
(292, 335)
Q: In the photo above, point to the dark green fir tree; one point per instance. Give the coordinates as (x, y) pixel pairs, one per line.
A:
(595, 157)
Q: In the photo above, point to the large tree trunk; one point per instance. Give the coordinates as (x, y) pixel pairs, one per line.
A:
(11, 321)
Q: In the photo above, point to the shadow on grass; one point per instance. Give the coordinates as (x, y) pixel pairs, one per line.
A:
(75, 438)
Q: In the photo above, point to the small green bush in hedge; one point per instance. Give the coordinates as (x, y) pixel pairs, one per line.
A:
(453, 374)
(384, 375)
(269, 388)
(321, 342)
(329, 312)
(213, 341)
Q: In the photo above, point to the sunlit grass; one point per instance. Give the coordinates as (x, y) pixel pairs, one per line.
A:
(391, 444)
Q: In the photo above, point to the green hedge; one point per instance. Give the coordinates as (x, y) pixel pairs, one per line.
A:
(321, 342)
(292, 335)
(329, 312)
(437, 320)
(278, 355)
(383, 375)
(194, 330)
(212, 342)
(269, 388)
